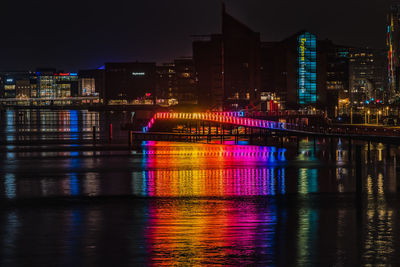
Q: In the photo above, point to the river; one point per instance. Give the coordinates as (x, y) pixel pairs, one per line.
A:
(69, 201)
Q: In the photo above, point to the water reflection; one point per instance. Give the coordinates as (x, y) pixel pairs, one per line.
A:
(10, 185)
(172, 169)
(203, 183)
(191, 204)
(212, 232)
(48, 125)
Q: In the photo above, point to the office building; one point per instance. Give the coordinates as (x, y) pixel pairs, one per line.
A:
(337, 77)
(92, 82)
(367, 72)
(185, 81)
(227, 66)
(53, 84)
(293, 72)
(66, 84)
(16, 84)
(393, 48)
(208, 59)
(130, 82)
(165, 85)
(46, 83)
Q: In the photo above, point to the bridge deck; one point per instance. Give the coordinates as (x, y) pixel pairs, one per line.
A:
(281, 128)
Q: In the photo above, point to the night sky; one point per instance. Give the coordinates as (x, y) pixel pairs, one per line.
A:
(72, 35)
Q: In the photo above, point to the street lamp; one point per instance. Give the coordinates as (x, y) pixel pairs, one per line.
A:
(351, 115)
(369, 112)
(377, 118)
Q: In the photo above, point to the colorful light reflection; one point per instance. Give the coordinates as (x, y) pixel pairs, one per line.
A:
(227, 118)
(199, 170)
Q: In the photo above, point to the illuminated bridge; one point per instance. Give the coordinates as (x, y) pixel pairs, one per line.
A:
(230, 118)
(225, 125)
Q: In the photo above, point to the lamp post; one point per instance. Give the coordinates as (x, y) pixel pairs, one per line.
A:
(377, 118)
(369, 112)
(351, 115)
(365, 116)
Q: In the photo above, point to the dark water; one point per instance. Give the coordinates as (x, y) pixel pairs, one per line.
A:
(69, 202)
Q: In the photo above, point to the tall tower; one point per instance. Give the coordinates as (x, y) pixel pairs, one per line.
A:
(393, 47)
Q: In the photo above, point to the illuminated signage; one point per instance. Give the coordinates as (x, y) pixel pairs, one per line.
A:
(10, 80)
(138, 73)
(302, 64)
(66, 74)
(303, 48)
(307, 69)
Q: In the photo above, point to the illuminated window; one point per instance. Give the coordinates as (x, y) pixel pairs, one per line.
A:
(307, 69)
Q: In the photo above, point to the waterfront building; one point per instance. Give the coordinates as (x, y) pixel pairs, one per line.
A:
(9, 84)
(46, 83)
(241, 65)
(165, 85)
(176, 82)
(208, 60)
(53, 84)
(367, 72)
(66, 84)
(228, 66)
(393, 48)
(22, 88)
(87, 86)
(1, 86)
(185, 81)
(294, 70)
(92, 82)
(273, 76)
(337, 77)
(15, 84)
(130, 83)
(33, 91)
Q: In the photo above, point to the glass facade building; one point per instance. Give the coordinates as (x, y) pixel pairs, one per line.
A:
(46, 85)
(393, 48)
(307, 69)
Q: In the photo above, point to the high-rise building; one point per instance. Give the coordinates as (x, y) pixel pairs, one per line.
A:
(294, 72)
(208, 58)
(367, 72)
(307, 69)
(241, 65)
(228, 66)
(337, 77)
(393, 48)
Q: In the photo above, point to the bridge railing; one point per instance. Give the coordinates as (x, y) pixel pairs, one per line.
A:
(234, 119)
(237, 120)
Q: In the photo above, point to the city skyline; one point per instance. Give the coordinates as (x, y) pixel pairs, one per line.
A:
(93, 33)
